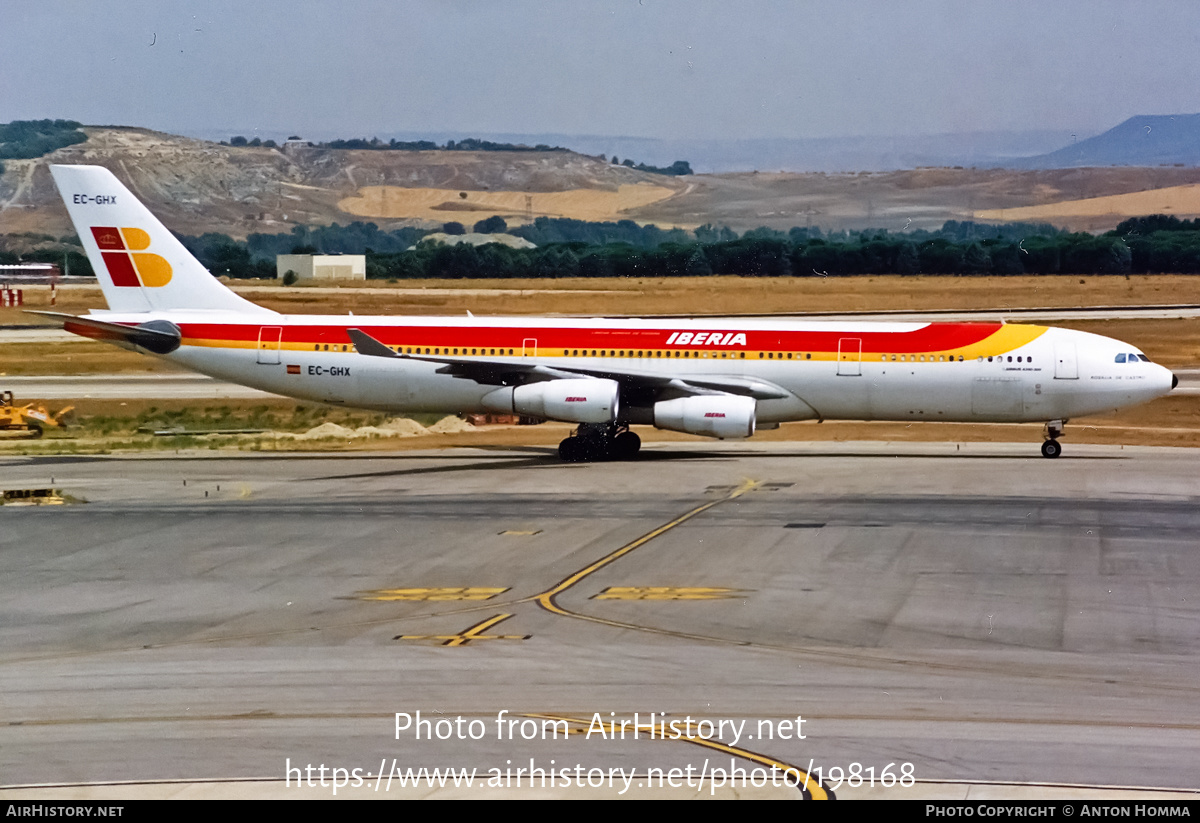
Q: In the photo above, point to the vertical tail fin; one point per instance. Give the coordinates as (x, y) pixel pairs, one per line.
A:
(141, 266)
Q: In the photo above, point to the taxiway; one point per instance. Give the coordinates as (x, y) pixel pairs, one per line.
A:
(987, 616)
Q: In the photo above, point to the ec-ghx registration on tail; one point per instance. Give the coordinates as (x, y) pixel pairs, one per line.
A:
(141, 266)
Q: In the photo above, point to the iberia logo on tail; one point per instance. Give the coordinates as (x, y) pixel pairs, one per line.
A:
(128, 262)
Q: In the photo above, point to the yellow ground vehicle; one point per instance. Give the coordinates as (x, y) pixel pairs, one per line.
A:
(26, 421)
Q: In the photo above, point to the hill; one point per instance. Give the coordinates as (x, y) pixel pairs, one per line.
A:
(198, 186)
(1145, 140)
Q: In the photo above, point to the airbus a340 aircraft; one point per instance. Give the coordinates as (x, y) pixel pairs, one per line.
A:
(721, 378)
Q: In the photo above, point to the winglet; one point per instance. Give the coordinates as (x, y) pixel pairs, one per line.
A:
(368, 345)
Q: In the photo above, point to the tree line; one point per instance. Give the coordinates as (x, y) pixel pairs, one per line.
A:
(576, 248)
(26, 139)
(679, 167)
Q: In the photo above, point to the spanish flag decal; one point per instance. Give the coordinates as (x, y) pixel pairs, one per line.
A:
(128, 262)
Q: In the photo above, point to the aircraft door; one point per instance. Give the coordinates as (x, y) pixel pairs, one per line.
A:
(1065, 365)
(850, 356)
(529, 347)
(269, 342)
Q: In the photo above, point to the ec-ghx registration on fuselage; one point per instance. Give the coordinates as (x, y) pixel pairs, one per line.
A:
(706, 377)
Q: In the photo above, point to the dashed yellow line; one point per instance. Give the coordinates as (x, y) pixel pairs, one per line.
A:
(476, 632)
(666, 593)
(433, 593)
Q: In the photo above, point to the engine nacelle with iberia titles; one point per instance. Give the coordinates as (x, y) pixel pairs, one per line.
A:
(586, 400)
(718, 415)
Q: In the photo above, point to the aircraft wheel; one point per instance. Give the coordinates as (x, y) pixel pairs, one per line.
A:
(1051, 449)
(570, 450)
(625, 445)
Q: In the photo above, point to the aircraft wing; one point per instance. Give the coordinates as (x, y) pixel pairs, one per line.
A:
(638, 387)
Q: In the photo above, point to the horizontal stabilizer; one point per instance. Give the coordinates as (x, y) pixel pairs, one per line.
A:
(158, 336)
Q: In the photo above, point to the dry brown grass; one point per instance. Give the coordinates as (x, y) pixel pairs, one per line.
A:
(396, 203)
(84, 357)
(1178, 200)
(685, 295)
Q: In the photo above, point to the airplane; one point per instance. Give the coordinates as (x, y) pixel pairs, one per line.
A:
(721, 378)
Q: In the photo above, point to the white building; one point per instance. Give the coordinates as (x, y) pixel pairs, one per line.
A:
(322, 266)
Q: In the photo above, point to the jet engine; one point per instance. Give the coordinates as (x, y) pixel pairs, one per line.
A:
(713, 415)
(586, 400)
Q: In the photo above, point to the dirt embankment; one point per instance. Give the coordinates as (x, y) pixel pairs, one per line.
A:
(920, 198)
(196, 186)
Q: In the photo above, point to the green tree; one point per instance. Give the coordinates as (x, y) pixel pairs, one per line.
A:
(492, 225)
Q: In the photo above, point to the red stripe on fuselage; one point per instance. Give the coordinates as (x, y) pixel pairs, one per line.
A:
(933, 337)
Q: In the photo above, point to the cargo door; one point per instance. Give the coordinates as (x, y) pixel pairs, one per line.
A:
(997, 398)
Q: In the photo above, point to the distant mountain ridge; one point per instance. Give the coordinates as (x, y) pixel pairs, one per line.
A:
(1144, 140)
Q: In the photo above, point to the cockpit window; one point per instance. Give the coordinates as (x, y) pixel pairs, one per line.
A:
(1144, 358)
(1121, 357)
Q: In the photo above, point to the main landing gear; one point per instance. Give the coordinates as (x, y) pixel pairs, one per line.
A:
(1051, 448)
(599, 441)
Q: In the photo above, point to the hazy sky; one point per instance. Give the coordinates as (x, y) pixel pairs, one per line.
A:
(648, 68)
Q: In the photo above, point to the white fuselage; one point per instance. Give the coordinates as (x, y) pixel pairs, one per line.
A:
(972, 372)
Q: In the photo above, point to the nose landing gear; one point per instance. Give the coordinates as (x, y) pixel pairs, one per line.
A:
(1051, 448)
(599, 441)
